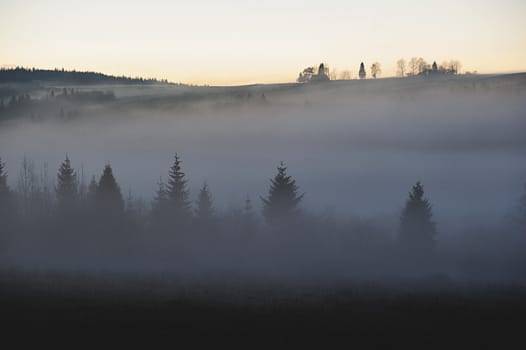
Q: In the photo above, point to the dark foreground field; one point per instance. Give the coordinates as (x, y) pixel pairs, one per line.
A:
(84, 310)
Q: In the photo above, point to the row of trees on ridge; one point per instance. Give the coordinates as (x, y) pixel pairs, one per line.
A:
(415, 66)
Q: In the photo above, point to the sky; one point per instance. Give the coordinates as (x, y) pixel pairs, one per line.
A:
(233, 42)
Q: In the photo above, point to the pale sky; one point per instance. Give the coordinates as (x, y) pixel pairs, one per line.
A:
(258, 41)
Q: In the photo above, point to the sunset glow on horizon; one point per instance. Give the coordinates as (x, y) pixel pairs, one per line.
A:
(242, 42)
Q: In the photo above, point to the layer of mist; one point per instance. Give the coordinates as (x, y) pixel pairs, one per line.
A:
(354, 148)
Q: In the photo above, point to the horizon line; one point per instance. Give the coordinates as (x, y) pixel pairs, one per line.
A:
(7, 67)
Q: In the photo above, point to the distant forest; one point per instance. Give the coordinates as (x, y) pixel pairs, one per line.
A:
(37, 206)
(21, 74)
(62, 103)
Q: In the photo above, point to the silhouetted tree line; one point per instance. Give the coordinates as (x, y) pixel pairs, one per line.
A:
(16, 104)
(418, 66)
(21, 74)
(99, 208)
(415, 66)
(311, 74)
(58, 103)
(75, 95)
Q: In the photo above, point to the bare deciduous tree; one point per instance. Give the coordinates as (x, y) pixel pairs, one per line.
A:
(333, 75)
(454, 66)
(401, 67)
(422, 65)
(27, 181)
(33, 189)
(376, 69)
(413, 66)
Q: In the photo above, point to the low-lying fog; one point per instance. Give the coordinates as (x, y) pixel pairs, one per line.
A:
(355, 148)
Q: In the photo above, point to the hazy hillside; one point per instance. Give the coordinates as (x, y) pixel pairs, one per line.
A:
(26, 75)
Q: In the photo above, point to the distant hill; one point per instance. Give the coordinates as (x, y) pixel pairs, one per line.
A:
(24, 75)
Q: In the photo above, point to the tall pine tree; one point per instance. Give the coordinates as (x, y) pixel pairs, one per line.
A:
(417, 230)
(91, 194)
(205, 209)
(177, 191)
(283, 199)
(109, 197)
(66, 189)
(160, 201)
(362, 74)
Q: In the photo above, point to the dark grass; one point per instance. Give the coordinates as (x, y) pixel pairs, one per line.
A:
(85, 310)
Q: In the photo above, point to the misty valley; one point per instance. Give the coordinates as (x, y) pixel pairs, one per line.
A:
(276, 203)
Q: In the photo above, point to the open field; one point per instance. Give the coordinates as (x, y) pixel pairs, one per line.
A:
(126, 311)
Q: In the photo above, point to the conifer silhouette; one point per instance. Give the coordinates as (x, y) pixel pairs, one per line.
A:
(159, 205)
(178, 194)
(109, 195)
(205, 210)
(283, 199)
(417, 230)
(362, 74)
(66, 189)
(92, 190)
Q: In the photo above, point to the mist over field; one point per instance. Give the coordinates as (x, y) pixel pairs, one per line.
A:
(355, 149)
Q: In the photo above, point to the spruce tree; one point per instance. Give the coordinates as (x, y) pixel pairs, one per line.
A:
(135, 208)
(362, 72)
(159, 204)
(89, 202)
(109, 197)
(67, 186)
(205, 210)
(92, 190)
(417, 230)
(178, 194)
(283, 199)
